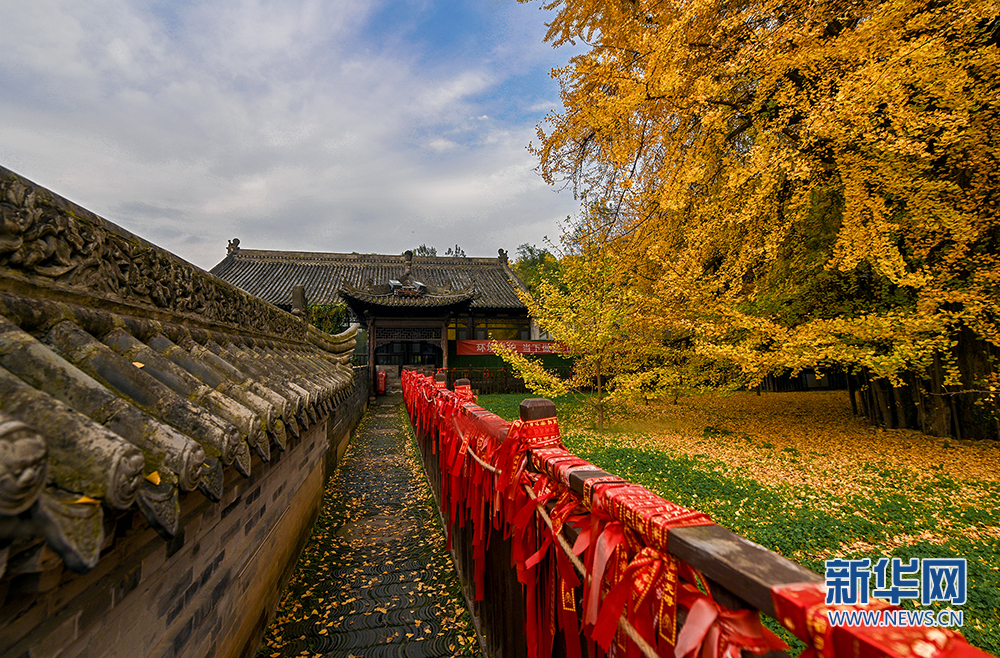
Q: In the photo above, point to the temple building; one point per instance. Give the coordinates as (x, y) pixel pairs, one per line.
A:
(418, 310)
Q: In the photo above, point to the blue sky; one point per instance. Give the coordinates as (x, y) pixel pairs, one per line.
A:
(317, 125)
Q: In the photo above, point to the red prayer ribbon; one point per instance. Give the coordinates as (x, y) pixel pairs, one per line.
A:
(623, 533)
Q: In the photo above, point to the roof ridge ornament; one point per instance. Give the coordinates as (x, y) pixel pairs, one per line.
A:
(233, 247)
(502, 256)
(24, 464)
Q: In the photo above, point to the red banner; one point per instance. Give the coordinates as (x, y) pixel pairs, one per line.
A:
(527, 347)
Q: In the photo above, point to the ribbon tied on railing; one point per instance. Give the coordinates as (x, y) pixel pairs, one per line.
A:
(633, 590)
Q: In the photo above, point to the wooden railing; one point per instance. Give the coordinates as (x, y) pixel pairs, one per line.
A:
(652, 579)
(487, 380)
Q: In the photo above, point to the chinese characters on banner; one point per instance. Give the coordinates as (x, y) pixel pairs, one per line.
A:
(526, 347)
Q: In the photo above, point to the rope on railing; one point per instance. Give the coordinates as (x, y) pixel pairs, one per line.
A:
(479, 461)
(623, 623)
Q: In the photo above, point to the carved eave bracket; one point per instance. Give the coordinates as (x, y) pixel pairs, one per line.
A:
(73, 528)
(160, 504)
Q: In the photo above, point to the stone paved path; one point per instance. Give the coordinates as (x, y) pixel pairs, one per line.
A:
(375, 579)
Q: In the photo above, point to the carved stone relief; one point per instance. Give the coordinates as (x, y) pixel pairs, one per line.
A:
(78, 250)
(23, 465)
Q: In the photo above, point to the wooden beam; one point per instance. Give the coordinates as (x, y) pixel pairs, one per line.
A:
(444, 346)
(371, 357)
(744, 568)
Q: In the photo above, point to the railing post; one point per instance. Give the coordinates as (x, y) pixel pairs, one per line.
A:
(537, 409)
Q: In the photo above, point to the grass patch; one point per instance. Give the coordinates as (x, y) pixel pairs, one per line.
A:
(572, 409)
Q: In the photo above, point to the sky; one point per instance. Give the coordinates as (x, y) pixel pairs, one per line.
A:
(312, 125)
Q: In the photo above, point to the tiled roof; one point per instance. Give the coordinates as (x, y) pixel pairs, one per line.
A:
(129, 376)
(270, 275)
(378, 297)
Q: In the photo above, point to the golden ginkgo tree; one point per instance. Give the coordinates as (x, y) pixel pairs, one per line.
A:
(808, 183)
(595, 306)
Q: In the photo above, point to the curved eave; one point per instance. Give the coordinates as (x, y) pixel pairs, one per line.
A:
(395, 301)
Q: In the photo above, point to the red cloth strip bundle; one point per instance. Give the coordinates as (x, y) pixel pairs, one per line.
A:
(464, 393)
(622, 535)
(628, 560)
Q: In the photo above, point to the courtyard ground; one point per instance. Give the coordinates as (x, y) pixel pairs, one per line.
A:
(375, 579)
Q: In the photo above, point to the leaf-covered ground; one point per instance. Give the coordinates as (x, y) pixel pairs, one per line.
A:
(797, 473)
(375, 578)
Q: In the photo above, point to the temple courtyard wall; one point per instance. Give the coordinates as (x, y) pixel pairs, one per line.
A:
(164, 441)
(211, 590)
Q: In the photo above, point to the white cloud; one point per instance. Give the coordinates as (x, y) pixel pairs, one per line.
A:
(442, 145)
(451, 92)
(284, 123)
(544, 106)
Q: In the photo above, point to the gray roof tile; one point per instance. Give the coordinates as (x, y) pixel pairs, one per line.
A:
(270, 275)
(129, 377)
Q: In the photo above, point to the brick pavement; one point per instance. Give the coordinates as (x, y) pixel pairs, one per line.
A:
(375, 579)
